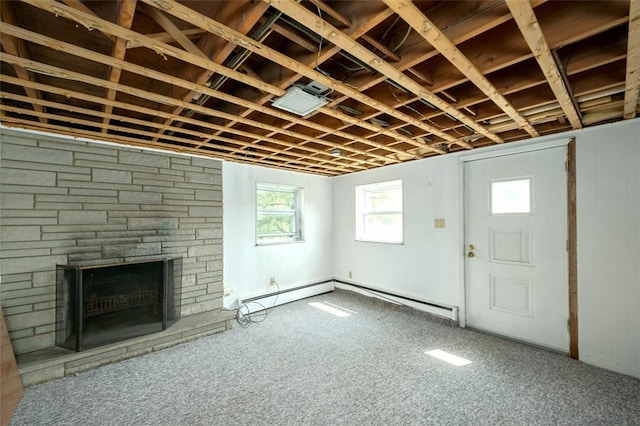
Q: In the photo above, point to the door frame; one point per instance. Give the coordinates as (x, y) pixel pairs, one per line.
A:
(519, 148)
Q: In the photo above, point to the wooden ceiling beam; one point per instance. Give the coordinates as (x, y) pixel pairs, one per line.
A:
(530, 28)
(126, 11)
(173, 30)
(332, 12)
(165, 37)
(299, 159)
(427, 29)
(382, 48)
(71, 75)
(81, 52)
(161, 49)
(458, 33)
(215, 27)
(244, 122)
(510, 81)
(218, 50)
(363, 23)
(293, 36)
(15, 46)
(78, 5)
(347, 43)
(150, 112)
(124, 140)
(586, 22)
(147, 123)
(632, 81)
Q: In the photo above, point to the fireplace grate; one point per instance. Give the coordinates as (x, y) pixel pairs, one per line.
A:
(104, 305)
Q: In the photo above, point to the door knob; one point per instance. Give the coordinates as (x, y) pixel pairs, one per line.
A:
(471, 249)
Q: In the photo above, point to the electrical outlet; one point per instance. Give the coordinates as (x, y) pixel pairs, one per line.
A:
(272, 281)
(228, 290)
(350, 274)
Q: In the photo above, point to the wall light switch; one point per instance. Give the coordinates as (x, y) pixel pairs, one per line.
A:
(439, 223)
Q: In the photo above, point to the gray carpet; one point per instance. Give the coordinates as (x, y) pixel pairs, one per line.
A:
(304, 366)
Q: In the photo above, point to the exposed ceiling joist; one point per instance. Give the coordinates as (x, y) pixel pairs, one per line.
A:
(165, 37)
(17, 47)
(342, 40)
(525, 17)
(189, 15)
(126, 10)
(199, 77)
(632, 81)
(78, 5)
(362, 25)
(427, 29)
(148, 123)
(331, 12)
(216, 51)
(173, 30)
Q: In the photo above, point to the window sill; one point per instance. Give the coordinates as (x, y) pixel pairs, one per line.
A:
(395, 243)
(276, 243)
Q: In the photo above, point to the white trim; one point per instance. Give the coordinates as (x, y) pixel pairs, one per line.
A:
(462, 307)
(269, 300)
(434, 308)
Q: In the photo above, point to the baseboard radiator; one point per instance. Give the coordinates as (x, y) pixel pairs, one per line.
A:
(444, 311)
(268, 300)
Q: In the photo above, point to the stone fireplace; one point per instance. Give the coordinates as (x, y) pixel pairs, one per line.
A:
(102, 304)
(91, 206)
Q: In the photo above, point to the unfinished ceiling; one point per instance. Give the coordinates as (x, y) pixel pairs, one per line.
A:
(403, 80)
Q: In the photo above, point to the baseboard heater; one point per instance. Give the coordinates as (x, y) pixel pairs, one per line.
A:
(266, 301)
(444, 311)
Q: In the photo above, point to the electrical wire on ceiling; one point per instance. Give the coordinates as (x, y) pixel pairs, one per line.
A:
(457, 24)
(409, 107)
(315, 37)
(320, 48)
(393, 24)
(406, 36)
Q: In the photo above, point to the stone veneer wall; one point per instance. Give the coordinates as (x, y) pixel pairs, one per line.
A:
(67, 201)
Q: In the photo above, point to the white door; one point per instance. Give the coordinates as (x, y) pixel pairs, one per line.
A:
(516, 273)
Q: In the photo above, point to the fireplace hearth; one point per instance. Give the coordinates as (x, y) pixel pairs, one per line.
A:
(99, 305)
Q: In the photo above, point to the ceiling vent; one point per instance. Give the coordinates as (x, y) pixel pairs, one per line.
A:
(303, 100)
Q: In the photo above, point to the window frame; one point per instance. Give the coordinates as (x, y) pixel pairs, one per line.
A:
(286, 238)
(361, 211)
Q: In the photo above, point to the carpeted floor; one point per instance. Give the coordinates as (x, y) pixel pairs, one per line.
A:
(306, 366)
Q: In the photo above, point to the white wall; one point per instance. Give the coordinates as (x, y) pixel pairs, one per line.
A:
(247, 267)
(427, 265)
(608, 208)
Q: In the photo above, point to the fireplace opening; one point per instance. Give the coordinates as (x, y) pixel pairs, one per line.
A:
(99, 305)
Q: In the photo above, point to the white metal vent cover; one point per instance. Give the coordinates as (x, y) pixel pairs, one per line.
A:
(300, 102)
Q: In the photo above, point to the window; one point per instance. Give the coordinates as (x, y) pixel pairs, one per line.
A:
(379, 212)
(279, 217)
(511, 196)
